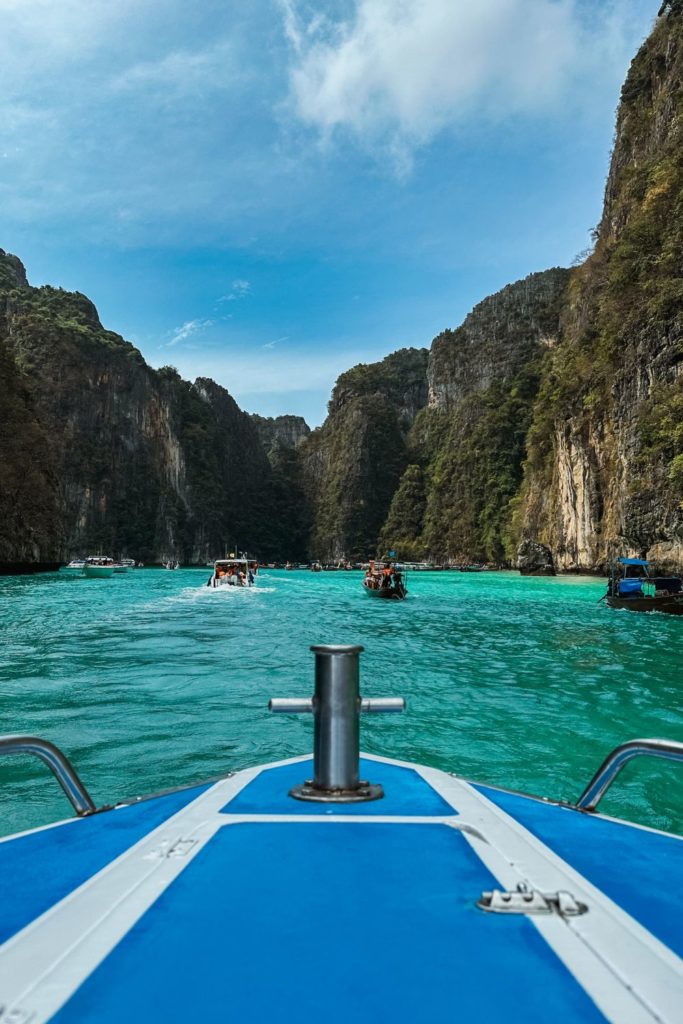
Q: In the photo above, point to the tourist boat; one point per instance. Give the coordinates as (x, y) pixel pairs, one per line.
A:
(341, 888)
(385, 582)
(231, 572)
(172, 564)
(631, 586)
(75, 565)
(316, 567)
(98, 567)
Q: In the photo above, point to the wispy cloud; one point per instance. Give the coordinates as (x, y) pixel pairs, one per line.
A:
(239, 290)
(276, 341)
(189, 329)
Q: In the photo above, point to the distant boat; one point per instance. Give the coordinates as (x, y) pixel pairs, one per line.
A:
(171, 564)
(99, 567)
(385, 582)
(316, 567)
(234, 572)
(630, 586)
(75, 565)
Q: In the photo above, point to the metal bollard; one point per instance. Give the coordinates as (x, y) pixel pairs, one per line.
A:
(336, 706)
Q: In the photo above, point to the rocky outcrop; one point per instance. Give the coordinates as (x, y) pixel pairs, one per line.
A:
(352, 465)
(501, 335)
(280, 431)
(534, 559)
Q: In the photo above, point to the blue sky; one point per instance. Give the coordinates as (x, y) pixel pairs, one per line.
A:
(269, 191)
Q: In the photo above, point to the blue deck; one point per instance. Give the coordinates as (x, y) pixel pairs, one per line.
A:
(41, 868)
(405, 793)
(289, 919)
(355, 923)
(616, 858)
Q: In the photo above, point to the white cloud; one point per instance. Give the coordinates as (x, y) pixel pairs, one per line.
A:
(276, 341)
(188, 330)
(399, 71)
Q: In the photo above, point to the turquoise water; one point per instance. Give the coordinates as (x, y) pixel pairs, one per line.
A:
(150, 680)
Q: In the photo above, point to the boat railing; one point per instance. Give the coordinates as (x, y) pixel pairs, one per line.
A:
(59, 765)
(615, 761)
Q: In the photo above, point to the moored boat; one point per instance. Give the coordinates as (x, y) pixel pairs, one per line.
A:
(386, 582)
(455, 890)
(75, 565)
(631, 586)
(99, 567)
(234, 572)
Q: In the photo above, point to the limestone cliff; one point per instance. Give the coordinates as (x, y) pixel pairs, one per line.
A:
(280, 431)
(100, 452)
(605, 467)
(353, 463)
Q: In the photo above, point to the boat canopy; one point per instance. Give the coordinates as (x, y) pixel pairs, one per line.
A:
(632, 561)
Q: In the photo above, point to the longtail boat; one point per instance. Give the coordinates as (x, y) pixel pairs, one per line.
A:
(631, 586)
(385, 582)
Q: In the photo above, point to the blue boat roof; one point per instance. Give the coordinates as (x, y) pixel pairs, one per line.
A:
(234, 902)
(632, 561)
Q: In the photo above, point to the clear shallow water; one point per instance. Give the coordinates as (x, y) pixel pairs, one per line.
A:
(150, 680)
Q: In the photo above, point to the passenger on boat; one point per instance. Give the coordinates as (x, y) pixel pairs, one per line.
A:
(251, 576)
(235, 578)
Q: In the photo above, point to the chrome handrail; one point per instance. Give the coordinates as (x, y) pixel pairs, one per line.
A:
(614, 762)
(59, 765)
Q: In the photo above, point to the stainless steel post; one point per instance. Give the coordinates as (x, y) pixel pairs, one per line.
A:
(336, 702)
(336, 706)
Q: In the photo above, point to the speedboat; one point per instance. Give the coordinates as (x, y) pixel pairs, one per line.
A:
(233, 572)
(342, 887)
(98, 567)
(75, 565)
(631, 586)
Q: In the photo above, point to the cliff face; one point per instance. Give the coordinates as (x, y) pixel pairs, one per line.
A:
(100, 452)
(605, 467)
(353, 463)
(280, 431)
(497, 340)
(483, 379)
